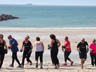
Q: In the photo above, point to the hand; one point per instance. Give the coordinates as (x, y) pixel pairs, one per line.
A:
(30, 51)
(21, 50)
(91, 50)
(9, 47)
(5, 50)
(87, 50)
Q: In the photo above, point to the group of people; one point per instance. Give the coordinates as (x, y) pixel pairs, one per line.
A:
(54, 45)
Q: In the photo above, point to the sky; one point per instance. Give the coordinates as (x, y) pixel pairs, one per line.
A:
(52, 2)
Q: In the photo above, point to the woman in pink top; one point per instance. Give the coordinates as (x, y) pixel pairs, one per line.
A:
(93, 52)
(67, 51)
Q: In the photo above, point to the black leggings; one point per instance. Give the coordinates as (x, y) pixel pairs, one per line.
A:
(66, 55)
(37, 55)
(14, 57)
(54, 57)
(26, 55)
(1, 59)
(93, 58)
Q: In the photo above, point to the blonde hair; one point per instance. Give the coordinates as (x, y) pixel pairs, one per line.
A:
(27, 37)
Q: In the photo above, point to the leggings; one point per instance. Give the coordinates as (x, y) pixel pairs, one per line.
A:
(54, 57)
(93, 58)
(14, 57)
(39, 54)
(26, 55)
(1, 59)
(66, 55)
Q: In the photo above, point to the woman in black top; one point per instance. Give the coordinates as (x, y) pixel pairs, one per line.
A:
(27, 51)
(82, 48)
(55, 43)
(2, 50)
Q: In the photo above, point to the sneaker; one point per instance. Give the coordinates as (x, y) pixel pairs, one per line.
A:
(36, 65)
(30, 63)
(19, 66)
(41, 67)
(11, 65)
(55, 67)
(64, 64)
(71, 63)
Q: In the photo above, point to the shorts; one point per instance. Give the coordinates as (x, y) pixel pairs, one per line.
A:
(83, 55)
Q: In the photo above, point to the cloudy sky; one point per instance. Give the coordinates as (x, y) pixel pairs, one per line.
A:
(52, 2)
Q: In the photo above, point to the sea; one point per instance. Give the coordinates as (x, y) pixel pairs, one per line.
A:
(49, 17)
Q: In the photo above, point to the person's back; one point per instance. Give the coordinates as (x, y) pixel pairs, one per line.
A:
(55, 45)
(14, 45)
(38, 46)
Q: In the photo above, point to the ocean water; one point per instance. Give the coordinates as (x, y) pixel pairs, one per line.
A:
(36, 16)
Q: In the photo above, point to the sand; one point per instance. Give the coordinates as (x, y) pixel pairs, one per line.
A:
(74, 35)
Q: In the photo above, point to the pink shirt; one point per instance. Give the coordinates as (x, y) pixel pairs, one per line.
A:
(66, 43)
(93, 47)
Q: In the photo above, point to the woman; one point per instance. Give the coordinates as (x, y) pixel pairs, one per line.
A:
(67, 51)
(27, 47)
(39, 49)
(23, 48)
(2, 50)
(93, 52)
(54, 44)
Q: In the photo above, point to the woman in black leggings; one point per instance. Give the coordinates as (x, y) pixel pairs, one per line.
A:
(55, 43)
(67, 51)
(27, 51)
(2, 52)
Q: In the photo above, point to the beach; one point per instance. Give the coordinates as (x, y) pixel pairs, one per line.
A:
(75, 35)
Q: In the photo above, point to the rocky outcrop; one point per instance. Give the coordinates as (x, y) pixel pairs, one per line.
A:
(7, 17)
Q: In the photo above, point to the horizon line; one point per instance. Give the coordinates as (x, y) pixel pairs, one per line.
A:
(46, 5)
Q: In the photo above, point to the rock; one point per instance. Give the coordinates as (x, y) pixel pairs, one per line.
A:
(7, 17)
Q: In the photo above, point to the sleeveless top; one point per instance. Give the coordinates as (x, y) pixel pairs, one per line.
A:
(2, 47)
(55, 46)
(38, 48)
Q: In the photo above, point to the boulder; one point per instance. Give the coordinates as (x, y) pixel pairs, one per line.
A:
(7, 17)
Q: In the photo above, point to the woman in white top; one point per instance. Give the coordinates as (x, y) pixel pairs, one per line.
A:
(39, 49)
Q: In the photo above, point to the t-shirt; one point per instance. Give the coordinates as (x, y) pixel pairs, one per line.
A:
(27, 45)
(93, 47)
(82, 46)
(14, 44)
(67, 43)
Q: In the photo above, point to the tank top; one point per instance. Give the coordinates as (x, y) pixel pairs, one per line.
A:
(55, 46)
(39, 47)
(2, 47)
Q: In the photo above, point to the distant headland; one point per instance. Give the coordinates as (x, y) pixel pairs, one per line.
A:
(4, 17)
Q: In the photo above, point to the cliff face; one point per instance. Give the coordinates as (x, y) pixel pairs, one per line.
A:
(7, 17)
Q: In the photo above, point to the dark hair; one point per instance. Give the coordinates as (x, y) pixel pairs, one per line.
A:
(52, 36)
(1, 35)
(66, 37)
(37, 38)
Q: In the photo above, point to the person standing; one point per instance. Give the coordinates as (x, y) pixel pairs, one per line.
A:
(93, 52)
(2, 50)
(82, 48)
(27, 47)
(39, 50)
(13, 45)
(54, 44)
(67, 51)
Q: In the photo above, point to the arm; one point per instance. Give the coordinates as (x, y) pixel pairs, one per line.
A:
(51, 44)
(42, 46)
(5, 44)
(59, 44)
